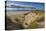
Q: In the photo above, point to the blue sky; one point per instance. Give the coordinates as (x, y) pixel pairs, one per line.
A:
(33, 4)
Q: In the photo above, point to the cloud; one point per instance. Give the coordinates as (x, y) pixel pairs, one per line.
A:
(21, 5)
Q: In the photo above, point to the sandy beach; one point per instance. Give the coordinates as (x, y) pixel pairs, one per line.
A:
(18, 12)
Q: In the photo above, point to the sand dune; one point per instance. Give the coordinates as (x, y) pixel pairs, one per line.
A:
(25, 20)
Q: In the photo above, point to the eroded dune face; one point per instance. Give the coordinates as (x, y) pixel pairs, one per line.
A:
(34, 20)
(28, 20)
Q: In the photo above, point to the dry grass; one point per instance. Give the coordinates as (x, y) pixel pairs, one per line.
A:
(19, 19)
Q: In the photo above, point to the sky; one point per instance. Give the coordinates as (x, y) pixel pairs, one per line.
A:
(32, 4)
